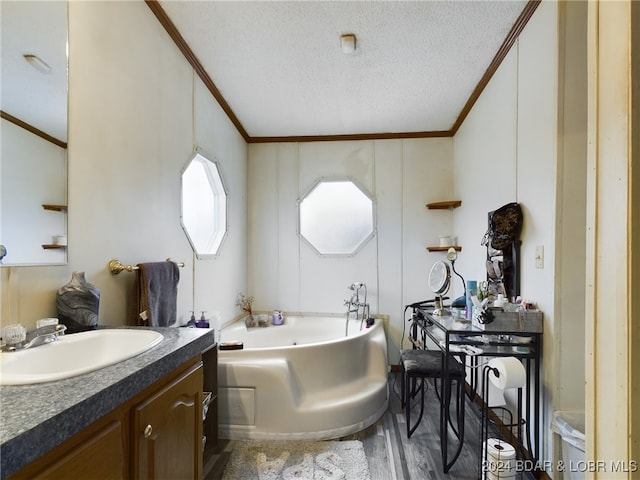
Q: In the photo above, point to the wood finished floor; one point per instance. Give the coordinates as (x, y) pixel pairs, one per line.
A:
(394, 457)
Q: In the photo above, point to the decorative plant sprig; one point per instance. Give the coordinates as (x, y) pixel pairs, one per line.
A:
(245, 303)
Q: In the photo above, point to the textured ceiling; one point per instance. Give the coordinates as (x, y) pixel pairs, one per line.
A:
(280, 67)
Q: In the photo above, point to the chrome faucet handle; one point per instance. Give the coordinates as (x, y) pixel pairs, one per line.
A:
(14, 334)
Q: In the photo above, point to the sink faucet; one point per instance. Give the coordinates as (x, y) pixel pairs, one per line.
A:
(16, 337)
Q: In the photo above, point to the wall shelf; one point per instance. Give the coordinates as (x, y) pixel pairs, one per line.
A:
(444, 249)
(444, 205)
(55, 208)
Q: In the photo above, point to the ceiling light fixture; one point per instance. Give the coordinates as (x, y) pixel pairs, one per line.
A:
(348, 43)
(37, 63)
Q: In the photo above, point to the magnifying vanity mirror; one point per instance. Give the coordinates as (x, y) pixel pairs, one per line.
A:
(439, 283)
(33, 101)
(204, 205)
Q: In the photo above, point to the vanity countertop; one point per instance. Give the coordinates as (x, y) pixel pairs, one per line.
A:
(36, 418)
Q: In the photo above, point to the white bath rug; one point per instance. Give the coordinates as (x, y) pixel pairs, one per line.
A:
(301, 460)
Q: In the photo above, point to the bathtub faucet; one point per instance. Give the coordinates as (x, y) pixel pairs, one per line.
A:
(357, 306)
(351, 306)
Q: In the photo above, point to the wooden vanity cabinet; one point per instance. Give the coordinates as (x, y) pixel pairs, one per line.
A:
(156, 434)
(168, 430)
(99, 451)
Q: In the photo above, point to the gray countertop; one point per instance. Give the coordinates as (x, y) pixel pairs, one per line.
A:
(36, 418)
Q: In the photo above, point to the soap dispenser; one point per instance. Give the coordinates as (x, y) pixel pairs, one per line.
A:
(203, 322)
(192, 321)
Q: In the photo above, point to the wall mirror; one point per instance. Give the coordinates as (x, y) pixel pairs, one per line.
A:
(204, 205)
(336, 217)
(33, 162)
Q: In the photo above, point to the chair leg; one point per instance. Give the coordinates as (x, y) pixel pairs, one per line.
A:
(413, 391)
(456, 427)
(411, 429)
(407, 408)
(407, 389)
(460, 395)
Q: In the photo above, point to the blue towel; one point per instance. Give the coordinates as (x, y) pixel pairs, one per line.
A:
(158, 293)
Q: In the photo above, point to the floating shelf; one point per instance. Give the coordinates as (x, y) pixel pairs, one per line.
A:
(55, 208)
(444, 249)
(50, 246)
(444, 205)
(448, 204)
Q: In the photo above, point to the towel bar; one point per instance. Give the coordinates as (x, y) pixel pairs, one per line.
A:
(116, 267)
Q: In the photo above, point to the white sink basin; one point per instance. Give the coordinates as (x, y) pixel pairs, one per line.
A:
(74, 354)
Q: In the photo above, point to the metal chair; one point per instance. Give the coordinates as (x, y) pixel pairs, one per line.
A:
(420, 365)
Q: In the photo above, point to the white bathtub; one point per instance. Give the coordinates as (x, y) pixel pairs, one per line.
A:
(302, 380)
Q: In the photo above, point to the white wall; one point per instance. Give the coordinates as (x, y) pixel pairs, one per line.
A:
(136, 113)
(484, 165)
(402, 175)
(571, 207)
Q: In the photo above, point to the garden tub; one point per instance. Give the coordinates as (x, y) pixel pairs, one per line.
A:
(304, 379)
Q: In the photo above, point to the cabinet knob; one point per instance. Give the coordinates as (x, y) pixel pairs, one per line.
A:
(148, 430)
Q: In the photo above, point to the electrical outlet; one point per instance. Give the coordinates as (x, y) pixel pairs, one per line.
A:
(540, 256)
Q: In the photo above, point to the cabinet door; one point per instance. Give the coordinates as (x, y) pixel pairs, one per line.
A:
(168, 430)
(99, 453)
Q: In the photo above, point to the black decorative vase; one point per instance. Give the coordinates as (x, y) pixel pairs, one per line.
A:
(78, 302)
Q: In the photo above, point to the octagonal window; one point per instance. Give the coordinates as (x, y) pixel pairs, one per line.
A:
(204, 206)
(336, 217)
